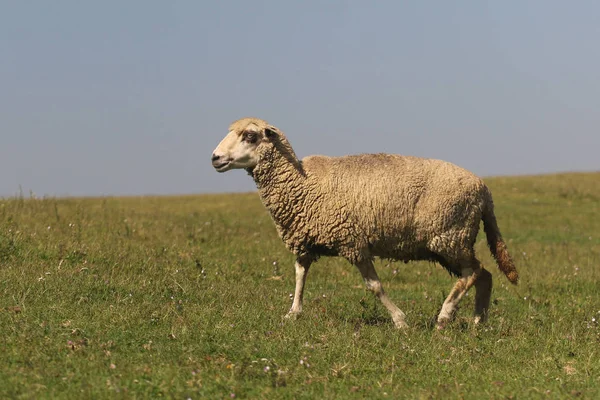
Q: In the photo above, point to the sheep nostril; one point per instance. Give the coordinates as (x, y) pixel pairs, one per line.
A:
(215, 157)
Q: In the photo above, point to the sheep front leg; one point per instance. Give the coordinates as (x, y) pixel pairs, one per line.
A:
(302, 265)
(373, 283)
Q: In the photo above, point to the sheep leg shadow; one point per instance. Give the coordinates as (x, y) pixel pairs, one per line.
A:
(373, 283)
(302, 265)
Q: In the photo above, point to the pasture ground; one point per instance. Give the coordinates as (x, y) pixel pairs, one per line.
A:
(183, 297)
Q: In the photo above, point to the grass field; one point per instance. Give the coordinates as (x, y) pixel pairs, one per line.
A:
(183, 297)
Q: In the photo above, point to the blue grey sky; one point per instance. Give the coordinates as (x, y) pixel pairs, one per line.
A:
(131, 97)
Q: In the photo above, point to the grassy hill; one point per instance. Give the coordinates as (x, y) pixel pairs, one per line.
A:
(183, 297)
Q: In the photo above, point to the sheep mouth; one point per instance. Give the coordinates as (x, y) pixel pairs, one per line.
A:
(222, 167)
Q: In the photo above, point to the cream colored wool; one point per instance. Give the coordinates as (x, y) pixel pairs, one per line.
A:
(374, 205)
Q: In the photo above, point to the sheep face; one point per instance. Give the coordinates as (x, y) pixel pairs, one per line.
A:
(241, 147)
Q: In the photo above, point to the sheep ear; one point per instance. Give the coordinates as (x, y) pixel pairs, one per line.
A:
(271, 132)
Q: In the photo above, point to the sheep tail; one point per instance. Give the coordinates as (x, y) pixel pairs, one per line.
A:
(495, 242)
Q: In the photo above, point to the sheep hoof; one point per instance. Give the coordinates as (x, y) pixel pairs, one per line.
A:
(292, 316)
(400, 324)
(442, 324)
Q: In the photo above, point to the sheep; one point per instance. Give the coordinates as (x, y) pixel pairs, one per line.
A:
(371, 205)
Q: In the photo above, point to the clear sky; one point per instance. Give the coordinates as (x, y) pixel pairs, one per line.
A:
(131, 97)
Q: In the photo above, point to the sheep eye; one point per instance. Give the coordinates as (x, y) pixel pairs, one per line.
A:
(250, 137)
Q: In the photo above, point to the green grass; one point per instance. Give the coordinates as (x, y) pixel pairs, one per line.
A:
(183, 297)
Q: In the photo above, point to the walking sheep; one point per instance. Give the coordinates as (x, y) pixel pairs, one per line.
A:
(363, 206)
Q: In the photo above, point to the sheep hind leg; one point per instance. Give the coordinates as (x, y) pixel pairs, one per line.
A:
(373, 283)
(483, 292)
(470, 275)
(302, 265)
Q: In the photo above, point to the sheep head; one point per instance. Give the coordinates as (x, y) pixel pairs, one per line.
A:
(244, 144)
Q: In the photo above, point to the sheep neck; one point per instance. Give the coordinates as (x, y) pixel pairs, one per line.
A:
(279, 178)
